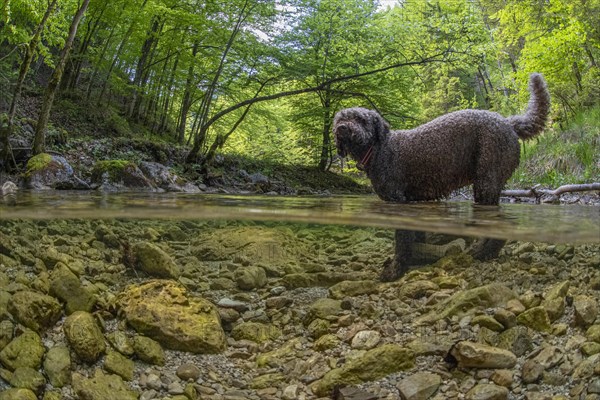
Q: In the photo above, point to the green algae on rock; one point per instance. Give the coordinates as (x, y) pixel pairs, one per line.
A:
(255, 331)
(84, 336)
(35, 310)
(164, 311)
(373, 364)
(118, 364)
(102, 387)
(28, 378)
(468, 301)
(66, 286)
(26, 350)
(17, 394)
(535, 318)
(57, 366)
(148, 350)
(155, 261)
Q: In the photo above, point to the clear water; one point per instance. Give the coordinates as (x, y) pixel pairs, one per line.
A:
(572, 224)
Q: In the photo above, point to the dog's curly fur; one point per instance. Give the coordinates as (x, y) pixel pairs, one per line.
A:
(429, 162)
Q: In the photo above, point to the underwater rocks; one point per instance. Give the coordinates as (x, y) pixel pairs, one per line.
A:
(316, 323)
(164, 311)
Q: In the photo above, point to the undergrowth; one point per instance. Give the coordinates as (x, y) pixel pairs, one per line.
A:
(559, 157)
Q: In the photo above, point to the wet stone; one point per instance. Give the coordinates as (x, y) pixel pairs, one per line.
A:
(66, 286)
(344, 289)
(28, 378)
(84, 336)
(57, 366)
(121, 342)
(155, 261)
(421, 385)
(120, 365)
(365, 340)
(188, 372)
(586, 310)
(476, 355)
(17, 394)
(26, 350)
(148, 350)
(535, 318)
(487, 392)
(35, 310)
(102, 387)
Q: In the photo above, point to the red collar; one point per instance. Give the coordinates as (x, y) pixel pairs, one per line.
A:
(363, 163)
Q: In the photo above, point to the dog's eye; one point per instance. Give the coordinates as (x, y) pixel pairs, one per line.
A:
(343, 129)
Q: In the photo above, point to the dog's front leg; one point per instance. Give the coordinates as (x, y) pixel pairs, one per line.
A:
(394, 269)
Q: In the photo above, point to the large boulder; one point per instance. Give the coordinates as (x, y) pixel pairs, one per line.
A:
(162, 176)
(119, 175)
(164, 311)
(46, 171)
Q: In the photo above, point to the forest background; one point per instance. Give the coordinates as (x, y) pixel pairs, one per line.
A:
(262, 79)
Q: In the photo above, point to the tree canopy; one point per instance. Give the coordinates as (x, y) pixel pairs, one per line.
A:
(266, 77)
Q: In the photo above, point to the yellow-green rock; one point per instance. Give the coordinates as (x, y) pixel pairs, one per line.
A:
(487, 321)
(66, 286)
(326, 342)
(535, 318)
(35, 310)
(345, 289)
(84, 336)
(155, 261)
(593, 333)
(373, 364)
(57, 366)
(25, 350)
(278, 356)
(267, 380)
(164, 311)
(28, 378)
(102, 387)
(466, 302)
(148, 350)
(255, 331)
(118, 364)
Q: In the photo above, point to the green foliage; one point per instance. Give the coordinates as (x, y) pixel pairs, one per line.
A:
(564, 156)
(114, 168)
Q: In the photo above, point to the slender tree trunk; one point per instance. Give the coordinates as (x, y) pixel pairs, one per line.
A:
(325, 147)
(167, 104)
(40, 129)
(186, 103)
(205, 106)
(97, 64)
(25, 64)
(141, 72)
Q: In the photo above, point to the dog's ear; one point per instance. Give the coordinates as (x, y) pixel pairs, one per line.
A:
(380, 126)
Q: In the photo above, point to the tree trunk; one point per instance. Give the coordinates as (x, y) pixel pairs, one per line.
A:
(25, 64)
(186, 103)
(325, 148)
(40, 129)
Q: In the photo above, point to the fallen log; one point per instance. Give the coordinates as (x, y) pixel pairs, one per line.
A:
(554, 194)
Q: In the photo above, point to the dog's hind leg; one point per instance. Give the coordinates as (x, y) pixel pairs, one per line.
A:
(487, 193)
(394, 269)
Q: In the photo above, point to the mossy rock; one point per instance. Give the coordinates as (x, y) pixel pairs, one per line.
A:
(255, 331)
(163, 311)
(119, 174)
(26, 350)
(46, 171)
(84, 336)
(35, 310)
(102, 387)
(17, 394)
(148, 350)
(374, 364)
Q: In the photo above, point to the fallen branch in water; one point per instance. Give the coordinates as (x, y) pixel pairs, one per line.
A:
(555, 194)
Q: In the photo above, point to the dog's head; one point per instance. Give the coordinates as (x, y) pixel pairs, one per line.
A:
(355, 129)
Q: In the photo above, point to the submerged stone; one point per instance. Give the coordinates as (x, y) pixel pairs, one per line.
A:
(373, 364)
(17, 394)
(66, 286)
(35, 310)
(57, 366)
(148, 350)
(84, 336)
(255, 331)
(477, 355)
(419, 386)
(535, 318)
(25, 350)
(164, 311)
(345, 289)
(102, 387)
(155, 261)
(28, 378)
(466, 302)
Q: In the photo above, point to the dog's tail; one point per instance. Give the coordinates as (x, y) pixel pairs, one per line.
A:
(534, 120)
